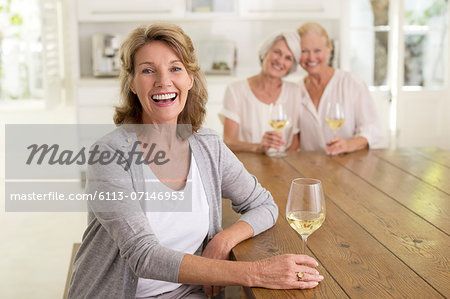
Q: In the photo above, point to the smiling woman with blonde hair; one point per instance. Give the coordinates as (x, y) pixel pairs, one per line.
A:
(130, 110)
(144, 244)
(324, 84)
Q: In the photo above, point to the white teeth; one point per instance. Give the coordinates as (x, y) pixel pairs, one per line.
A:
(276, 67)
(165, 96)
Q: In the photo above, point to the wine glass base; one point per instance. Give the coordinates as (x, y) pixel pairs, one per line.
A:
(276, 154)
(336, 155)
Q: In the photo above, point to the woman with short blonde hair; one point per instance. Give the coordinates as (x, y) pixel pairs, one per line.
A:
(323, 85)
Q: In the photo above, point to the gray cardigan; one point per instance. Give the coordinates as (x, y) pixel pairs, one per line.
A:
(119, 246)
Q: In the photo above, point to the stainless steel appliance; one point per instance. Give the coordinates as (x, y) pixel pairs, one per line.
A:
(105, 55)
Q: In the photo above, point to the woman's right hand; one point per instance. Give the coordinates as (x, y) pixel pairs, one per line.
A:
(280, 272)
(271, 139)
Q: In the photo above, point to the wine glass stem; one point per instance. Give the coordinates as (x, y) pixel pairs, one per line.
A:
(278, 149)
(304, 244)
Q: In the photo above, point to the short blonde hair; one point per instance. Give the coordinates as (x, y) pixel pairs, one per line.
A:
(316, 28)
(130, 109)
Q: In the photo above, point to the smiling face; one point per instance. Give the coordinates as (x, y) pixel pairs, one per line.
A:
(161, 83)
(315, 53)
(278, 59)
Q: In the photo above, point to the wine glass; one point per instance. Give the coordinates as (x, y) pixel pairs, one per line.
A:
(278, 120)
(335, 116)
(305, 209)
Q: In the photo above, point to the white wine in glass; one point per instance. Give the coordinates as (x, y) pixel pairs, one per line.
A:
(278, 120)
(278, 125)
(305, 209)
(335, 116)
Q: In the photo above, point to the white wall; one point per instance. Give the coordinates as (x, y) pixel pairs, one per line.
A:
(423, 119)
(35, 247)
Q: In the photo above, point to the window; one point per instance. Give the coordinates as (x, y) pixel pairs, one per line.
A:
(31, 51)
(425, 46)
(20, 50)
(369, 38)
(422, 38)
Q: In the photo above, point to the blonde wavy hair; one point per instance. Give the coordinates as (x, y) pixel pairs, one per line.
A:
(314, 27)
(129, 111)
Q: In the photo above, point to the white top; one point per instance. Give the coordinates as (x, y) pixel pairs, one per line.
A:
(361, 118)
(181, 231)
(253, 116)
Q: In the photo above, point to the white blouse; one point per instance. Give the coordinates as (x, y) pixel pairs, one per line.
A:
(361, 118)
(253, 116)
(178, 224)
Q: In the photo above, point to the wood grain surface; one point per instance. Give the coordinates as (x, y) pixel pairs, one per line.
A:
(420, 197)
(386, 228)
(424, 168)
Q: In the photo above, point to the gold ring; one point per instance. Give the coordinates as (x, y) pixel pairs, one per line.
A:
(300, 275)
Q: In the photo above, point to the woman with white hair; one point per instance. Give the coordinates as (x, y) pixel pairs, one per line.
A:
(246, 111)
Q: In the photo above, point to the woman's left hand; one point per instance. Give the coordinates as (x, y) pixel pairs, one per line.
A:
(337, 146)
(340, 145)
(218, 249)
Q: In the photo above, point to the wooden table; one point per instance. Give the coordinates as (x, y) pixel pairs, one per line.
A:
(386, 232)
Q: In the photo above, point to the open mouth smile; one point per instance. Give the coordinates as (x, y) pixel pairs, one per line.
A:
(277, 67)
(164, 99)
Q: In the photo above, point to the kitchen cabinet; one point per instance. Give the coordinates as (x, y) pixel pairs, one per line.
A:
(144, 10)
(106, 10)
(216, 90)
(211, 6)
(312, 9)
(96, 99)
(172, 10)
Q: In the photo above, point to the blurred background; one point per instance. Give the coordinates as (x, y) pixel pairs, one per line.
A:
(59, 65)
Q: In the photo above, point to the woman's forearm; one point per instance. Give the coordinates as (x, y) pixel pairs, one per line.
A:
(241, 146)
(277, 272)
(236, 233)
(221, 245)
(357, 143)
(201, 270)
(340, 145)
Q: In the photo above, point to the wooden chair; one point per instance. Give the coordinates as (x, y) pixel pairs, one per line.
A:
(69, 275)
